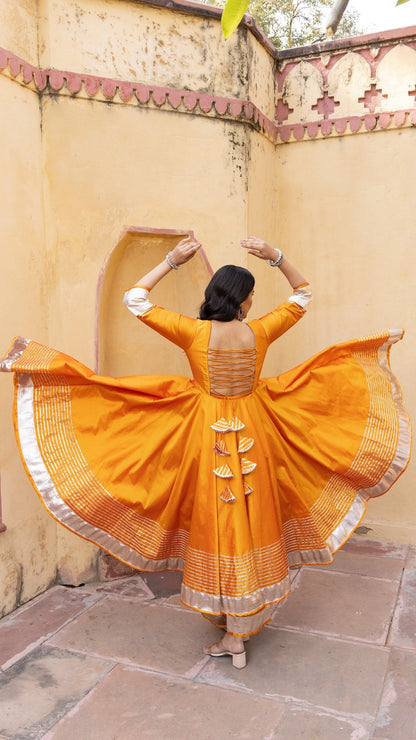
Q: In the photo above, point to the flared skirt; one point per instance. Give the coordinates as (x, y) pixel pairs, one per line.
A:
(231, 491)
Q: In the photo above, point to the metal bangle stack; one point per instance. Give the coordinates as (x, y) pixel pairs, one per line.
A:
(277, 262)
(170, 261)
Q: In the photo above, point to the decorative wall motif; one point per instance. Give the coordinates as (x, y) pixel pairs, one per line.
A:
(351, 73)
(302, 87)
(347, 91)
(396, 78)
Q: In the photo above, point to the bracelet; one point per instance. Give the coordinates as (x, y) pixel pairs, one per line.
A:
(277, 262)
(170, 261)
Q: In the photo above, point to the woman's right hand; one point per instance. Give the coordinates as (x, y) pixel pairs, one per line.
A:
(259, 248)
(184, 251)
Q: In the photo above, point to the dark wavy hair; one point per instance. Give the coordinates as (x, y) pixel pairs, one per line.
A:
(225, 292)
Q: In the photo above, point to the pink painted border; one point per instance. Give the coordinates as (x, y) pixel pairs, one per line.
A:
(350, 124)
(135, 230)
(190, 101)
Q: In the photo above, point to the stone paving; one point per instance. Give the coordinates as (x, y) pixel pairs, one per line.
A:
(122, 660)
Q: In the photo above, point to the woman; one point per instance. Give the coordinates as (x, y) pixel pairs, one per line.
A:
(228, 477)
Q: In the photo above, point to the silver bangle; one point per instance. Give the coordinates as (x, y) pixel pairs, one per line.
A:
(277, 262)
(170, 261)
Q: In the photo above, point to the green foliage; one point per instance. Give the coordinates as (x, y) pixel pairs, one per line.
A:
(400, 2)
(232, 15)
(288, 23)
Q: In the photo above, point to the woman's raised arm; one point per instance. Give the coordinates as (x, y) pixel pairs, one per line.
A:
(183, 252)
(264, 251)
(136, 297)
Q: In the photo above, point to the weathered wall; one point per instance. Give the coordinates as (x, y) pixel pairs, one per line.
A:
(28, 546)
(345, 203)
(19, 28)
(128, 40)
(354, 235)
(139, 119)
(112, 157)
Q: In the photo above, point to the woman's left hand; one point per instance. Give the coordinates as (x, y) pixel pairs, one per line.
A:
(259, 248)
(185, 250)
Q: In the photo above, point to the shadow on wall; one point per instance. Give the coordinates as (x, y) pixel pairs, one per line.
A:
(125, 346)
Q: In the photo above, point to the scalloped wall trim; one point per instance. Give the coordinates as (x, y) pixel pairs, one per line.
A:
(55, 81)
(347, 125)
(104, 89)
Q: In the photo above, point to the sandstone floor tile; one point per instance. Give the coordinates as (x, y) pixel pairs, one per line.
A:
(175, 601)
(339, 604)
(34, 622)
(132, 704)
(299, 724)
(132, 587)
(327, 673)
(403, 629)
(409, 575)
(390, 569)
(373, 547)
(110, 568)
(293, 573)
(144, 634)
(38, 690)
(166, 583)
(397, 715)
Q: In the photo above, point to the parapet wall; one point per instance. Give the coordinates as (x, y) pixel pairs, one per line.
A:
(347, 89)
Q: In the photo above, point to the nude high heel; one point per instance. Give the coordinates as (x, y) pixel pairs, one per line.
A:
(217, 651)
(239, 659)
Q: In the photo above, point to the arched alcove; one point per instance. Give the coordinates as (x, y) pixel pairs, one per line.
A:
(125, 346)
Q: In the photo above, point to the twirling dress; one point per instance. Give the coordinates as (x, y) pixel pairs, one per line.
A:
(166, 472)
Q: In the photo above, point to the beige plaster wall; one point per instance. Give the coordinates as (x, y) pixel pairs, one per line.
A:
(140, 177)
(345, 211)
(28, 546)
(19, 28)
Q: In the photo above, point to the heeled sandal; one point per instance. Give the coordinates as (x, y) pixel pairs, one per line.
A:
(239, 659)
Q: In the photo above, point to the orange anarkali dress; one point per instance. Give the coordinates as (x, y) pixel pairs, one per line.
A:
(167, 472)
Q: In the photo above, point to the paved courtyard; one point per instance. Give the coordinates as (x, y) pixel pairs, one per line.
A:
(122, 660)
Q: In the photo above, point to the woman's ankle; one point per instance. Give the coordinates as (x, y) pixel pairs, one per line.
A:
(233, 642)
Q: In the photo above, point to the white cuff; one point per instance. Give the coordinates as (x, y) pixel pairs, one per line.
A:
(136, 301)
(302, 296)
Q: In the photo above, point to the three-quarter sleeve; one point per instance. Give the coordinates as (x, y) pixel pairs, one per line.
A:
(302, 296)
(136, 299)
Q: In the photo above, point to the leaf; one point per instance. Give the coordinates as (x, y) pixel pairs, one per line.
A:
(400, 2)
(232, 15)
